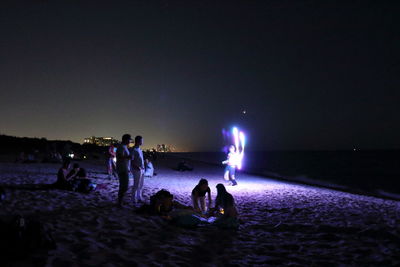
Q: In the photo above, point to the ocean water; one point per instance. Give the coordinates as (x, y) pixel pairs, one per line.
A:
(370, 171)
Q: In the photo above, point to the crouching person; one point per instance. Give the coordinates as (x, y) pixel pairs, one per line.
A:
(199, 196)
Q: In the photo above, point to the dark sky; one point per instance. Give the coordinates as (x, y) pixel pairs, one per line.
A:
(310, 75)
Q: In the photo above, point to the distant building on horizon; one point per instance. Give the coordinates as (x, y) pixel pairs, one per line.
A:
(164, 148)
(100, 141)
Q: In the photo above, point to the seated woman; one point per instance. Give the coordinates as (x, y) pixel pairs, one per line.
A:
(199, 196)
(149, 169)
(63, 181)
(225, 208)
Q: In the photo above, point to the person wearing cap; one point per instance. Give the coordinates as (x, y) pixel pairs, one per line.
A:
(137, 169)
(123, 163)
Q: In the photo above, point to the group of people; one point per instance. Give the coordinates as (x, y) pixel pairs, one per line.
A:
(74, 179)
(130, 160)
(112, 166)
(224, 203)
(223, 214)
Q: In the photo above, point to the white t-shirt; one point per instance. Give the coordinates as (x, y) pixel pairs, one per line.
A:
(123, 163)
(137, 157)
(233, 159)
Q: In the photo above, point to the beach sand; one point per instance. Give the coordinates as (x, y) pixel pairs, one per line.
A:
(281, 223)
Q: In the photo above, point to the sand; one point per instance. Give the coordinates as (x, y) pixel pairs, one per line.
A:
(281, 223)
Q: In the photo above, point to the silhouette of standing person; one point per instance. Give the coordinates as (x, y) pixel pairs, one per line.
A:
(137, 169)
(123, 161)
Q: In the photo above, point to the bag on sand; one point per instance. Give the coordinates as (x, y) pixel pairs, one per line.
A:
(23, 236)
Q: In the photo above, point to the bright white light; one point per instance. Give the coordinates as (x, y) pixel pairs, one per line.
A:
(239, 140)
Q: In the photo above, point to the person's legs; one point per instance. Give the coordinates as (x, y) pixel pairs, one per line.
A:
(136, 184)
(140, 189)
(123, 186)
(114, 168)
(109, 165)
(232, 175)
(226, 174)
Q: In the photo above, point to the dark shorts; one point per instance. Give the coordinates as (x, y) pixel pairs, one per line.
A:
(230, 169)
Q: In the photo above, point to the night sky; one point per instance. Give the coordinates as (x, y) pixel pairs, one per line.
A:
(310, 75)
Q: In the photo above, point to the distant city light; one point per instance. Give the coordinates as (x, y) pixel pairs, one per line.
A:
(100, 141)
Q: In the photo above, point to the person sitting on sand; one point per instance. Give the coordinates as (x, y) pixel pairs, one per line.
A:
(149, 169)
(184, 166)
(79, 180)
(162, 203)
(224, 202)
(62, 180)
(225, 209)
(199, 196)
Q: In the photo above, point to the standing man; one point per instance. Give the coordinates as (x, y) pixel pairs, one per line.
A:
(123, 162)
(137, 169)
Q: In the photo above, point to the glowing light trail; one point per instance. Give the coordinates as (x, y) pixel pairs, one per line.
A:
(239, 141)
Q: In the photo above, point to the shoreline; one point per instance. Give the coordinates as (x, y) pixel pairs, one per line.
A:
(300, 179)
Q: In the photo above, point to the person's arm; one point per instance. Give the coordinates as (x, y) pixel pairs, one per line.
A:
(227, 159)
(195, 197)
(71, 175)
(209, 198)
